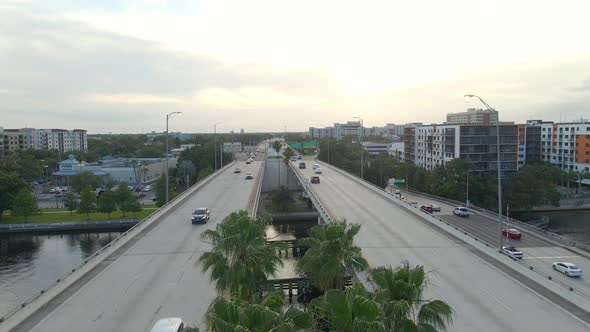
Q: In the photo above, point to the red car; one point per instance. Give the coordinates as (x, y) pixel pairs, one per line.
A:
(427, 208)
(315, 179)
(512, 233)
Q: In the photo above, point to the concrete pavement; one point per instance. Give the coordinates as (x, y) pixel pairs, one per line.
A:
(158, 276)
(484, 298)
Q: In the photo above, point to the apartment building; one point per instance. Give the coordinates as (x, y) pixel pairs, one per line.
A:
(354, 128)
(435, 145)
(566, 145)
(473, 116)
(44, 139)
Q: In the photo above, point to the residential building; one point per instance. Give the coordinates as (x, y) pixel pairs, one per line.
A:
(232, 147)
(435, 145)
(397, 150)
(566, 145)
(45, 139)
(354, 129)
(473, 116)
(376, 148)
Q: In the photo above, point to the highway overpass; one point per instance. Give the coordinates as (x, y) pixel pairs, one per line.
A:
(156, 277)
(484, 296)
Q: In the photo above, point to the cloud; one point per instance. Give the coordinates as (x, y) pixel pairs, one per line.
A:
(131, 98)
(584, 87)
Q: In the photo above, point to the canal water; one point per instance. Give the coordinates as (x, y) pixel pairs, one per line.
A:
(574, 224)
(30, 262)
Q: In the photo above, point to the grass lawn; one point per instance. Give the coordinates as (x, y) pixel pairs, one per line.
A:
(65, 216)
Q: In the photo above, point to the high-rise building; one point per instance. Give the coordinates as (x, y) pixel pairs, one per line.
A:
(354, 129)
(473, 116)
(566, 145)
(435, 145)
(44, 139)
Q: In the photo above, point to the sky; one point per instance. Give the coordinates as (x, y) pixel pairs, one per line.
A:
(260, 65)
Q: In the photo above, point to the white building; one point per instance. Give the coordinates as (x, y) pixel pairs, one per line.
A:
(376, 148)
(354, 129)
(232, 147)
(473, 116)
(45, 139)
(566, 145)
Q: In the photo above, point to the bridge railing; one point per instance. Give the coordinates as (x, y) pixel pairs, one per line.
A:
(259, 188)
(580, 292)
(99, 253)
(314, 199)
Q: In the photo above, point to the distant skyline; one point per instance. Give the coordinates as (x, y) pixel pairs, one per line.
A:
(120, 66)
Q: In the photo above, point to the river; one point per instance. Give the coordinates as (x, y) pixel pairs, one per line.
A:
(574, 224)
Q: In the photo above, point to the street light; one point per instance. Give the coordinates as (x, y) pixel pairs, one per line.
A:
(215, 141)
(498, 162)
(361, 143)
(168, 118)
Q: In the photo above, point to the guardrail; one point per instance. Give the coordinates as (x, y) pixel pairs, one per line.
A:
(73, 225)
(99, 252)
(416, 210)
(259, 189)
(314, 199)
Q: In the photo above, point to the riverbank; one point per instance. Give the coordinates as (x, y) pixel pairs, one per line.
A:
(57, 216)
(89, 226)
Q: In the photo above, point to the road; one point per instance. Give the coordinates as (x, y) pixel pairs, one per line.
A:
(539, 252)
(483, 297)
(158, 276)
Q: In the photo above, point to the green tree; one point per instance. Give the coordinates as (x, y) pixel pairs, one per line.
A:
(29, 168)
(124, 198)
(87, 202)
(267, 314)
(25, 204)
(84, 179)
(186, 169)
(331, 254)
(401, 294)
(70, 201)
(241, 259)
(287, 154)
(281, 199)
(277, 147)
(160, 190)
(10, 185)
(106, 202)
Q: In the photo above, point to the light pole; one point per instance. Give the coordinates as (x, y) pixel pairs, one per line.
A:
(215, 141)
(168, 118)
(498, 162)
(361, 133)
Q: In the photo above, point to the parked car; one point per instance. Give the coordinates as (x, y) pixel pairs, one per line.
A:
(318, 170)
(315, 179)
(512, 233)
(461, 211)
(237, 170)
(512, 252)
(52, 191)
(249, 176)
(427, 208)
(168, 325)
(200, 216)
(302, 166)
(569, 269)
(147, 188)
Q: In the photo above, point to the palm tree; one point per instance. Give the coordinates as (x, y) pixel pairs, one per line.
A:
(400, 293)
(240, 260)
(351, 310)
(331, 253)
(287, 154)
(265, 315)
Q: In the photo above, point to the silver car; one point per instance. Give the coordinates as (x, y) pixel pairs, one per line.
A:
(569, 269)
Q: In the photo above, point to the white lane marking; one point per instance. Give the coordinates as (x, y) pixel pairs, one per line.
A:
(495, 298)
(544, 257)
(444, 299)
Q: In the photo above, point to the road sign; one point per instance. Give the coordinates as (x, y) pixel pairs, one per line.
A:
(394, 181)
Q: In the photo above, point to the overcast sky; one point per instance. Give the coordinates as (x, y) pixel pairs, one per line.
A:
(119, 66)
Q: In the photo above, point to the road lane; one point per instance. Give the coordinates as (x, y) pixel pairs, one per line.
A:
(484, 297)
(157, 277)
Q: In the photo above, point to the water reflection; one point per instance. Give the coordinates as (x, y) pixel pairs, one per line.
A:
(288, 231)
(30, 262)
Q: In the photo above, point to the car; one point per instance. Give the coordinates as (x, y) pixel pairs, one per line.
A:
(248, 161)
(512, 233)
(147, 188)
(569, 269)
(169, 325)
(293, 158)
(435, 208)
(52, 191)
(427, 208)
(461, 211)
(302, 166)
(249, 176)
(237, 170)
(315, 166)
(315, 179)
(298, 157)
(200, 216)
(512, 252)
(318, 170)
(413, 202)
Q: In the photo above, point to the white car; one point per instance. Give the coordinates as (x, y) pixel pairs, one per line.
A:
(168, 325)
(318, 171)
(461, 211)
(569, 269)
(512, 252)
(315, 166)
(147, 188)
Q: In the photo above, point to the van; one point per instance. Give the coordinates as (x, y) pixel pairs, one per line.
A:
(169, 325)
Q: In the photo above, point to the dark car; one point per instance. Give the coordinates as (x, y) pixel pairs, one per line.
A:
(200, 216)
(302, 166)
(427, 208)
(512, 233)
(315, 179)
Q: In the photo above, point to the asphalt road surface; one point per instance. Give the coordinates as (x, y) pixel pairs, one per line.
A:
(158, 276)
(483, 297)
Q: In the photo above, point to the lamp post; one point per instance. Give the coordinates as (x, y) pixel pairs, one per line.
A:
(168, 118)
(361, 133)
(498, 162)
(215, 141)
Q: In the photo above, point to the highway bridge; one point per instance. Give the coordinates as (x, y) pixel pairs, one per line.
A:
(156, 275)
